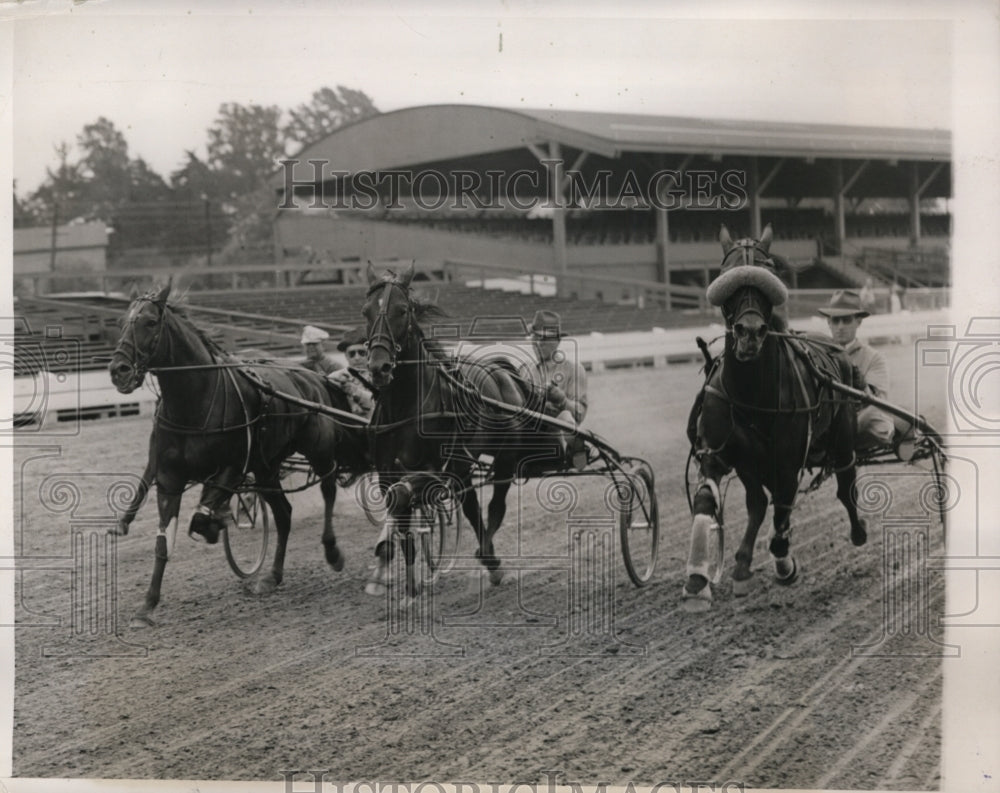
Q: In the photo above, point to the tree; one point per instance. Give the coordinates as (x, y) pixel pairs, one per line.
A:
(328, 110)
(244, 147)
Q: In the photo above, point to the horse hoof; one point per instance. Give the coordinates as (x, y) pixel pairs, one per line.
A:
(120, 530)
(375, 588)
(697, 602)
(786, 571)
(496, 576)
(263, 587)
(859, 535)
(141, 620)
(335, 558)
(741, 587)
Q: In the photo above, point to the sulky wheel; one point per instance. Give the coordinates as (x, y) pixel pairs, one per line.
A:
(639, 526)
(245, 538)
(437, 524)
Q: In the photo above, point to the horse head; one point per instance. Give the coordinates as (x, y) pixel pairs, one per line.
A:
(389, 316)
(139, 340)
(747, 290)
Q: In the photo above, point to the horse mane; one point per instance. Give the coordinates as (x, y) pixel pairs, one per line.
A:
(180, 306)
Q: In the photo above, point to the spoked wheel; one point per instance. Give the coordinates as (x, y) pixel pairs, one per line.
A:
(437, 525)
(246, 539)
(639, 526)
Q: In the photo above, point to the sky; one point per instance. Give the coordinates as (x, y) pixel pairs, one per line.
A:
(160, 71)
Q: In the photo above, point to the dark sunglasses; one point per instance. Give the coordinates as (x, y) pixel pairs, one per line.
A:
(356, 353)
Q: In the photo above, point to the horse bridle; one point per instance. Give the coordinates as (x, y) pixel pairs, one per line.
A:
(138, 358)
(748, 248)
(381, 333)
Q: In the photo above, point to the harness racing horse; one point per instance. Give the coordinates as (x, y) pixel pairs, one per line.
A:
(427, 427)
(218, 421)
(762, 413)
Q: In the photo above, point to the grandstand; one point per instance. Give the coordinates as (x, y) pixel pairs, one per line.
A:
(846, 205)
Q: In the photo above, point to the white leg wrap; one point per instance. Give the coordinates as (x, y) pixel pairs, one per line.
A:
(170, 532)
(699, 562)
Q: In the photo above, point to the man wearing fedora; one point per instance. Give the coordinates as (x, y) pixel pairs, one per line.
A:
(317, 358)
(844, 314)
(353, 380)
(563, 382)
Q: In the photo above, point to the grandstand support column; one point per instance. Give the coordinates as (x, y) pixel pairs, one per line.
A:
(757, 186)
(841, 187)
(557, 200)
(917, 189)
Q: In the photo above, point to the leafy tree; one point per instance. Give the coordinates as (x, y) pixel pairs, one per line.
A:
(243, 149)
(327, 111)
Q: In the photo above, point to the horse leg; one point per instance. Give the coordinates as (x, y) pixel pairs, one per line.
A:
(473, 514)
(334, 558)
(495, 512)
(705, 506)
(148, 475)
(409, 545)
(756, 508)
(846, 471)
(846, 479)
(785, 568)
(270, 490)
(168, 502)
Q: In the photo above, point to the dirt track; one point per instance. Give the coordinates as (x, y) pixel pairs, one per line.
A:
(531, 681)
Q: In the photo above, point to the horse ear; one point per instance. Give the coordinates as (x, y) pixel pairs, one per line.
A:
(134, 292)
(765, 238)
(370, 274)
(725, 239)
(164, 293)
(407, 276)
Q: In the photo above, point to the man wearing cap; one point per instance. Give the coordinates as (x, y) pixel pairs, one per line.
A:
(353, 380)
(563, 381)
(317, 358)
(844, 314)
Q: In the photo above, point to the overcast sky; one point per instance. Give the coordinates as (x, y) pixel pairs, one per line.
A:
(160, 72)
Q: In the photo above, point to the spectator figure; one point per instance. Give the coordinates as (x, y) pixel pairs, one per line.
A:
(317, 358)
(895, 298)
(868, 296)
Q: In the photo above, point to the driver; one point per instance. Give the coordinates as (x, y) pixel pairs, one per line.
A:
(876, 428)
(563, 381)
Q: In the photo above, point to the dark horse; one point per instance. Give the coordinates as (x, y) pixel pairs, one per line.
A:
(427, 423)
(219, 420)
(763, 414)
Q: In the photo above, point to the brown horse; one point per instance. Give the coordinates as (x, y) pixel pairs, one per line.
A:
(428, 426)
(762, 413)
(219, 420)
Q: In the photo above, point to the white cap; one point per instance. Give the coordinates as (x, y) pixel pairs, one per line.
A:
(312, 335)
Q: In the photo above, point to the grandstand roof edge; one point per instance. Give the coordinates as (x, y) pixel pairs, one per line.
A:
(612, 134)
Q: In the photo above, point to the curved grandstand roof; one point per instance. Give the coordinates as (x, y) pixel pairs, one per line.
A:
(447, 132)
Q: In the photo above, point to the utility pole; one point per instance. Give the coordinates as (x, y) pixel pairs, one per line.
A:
(208, 229)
